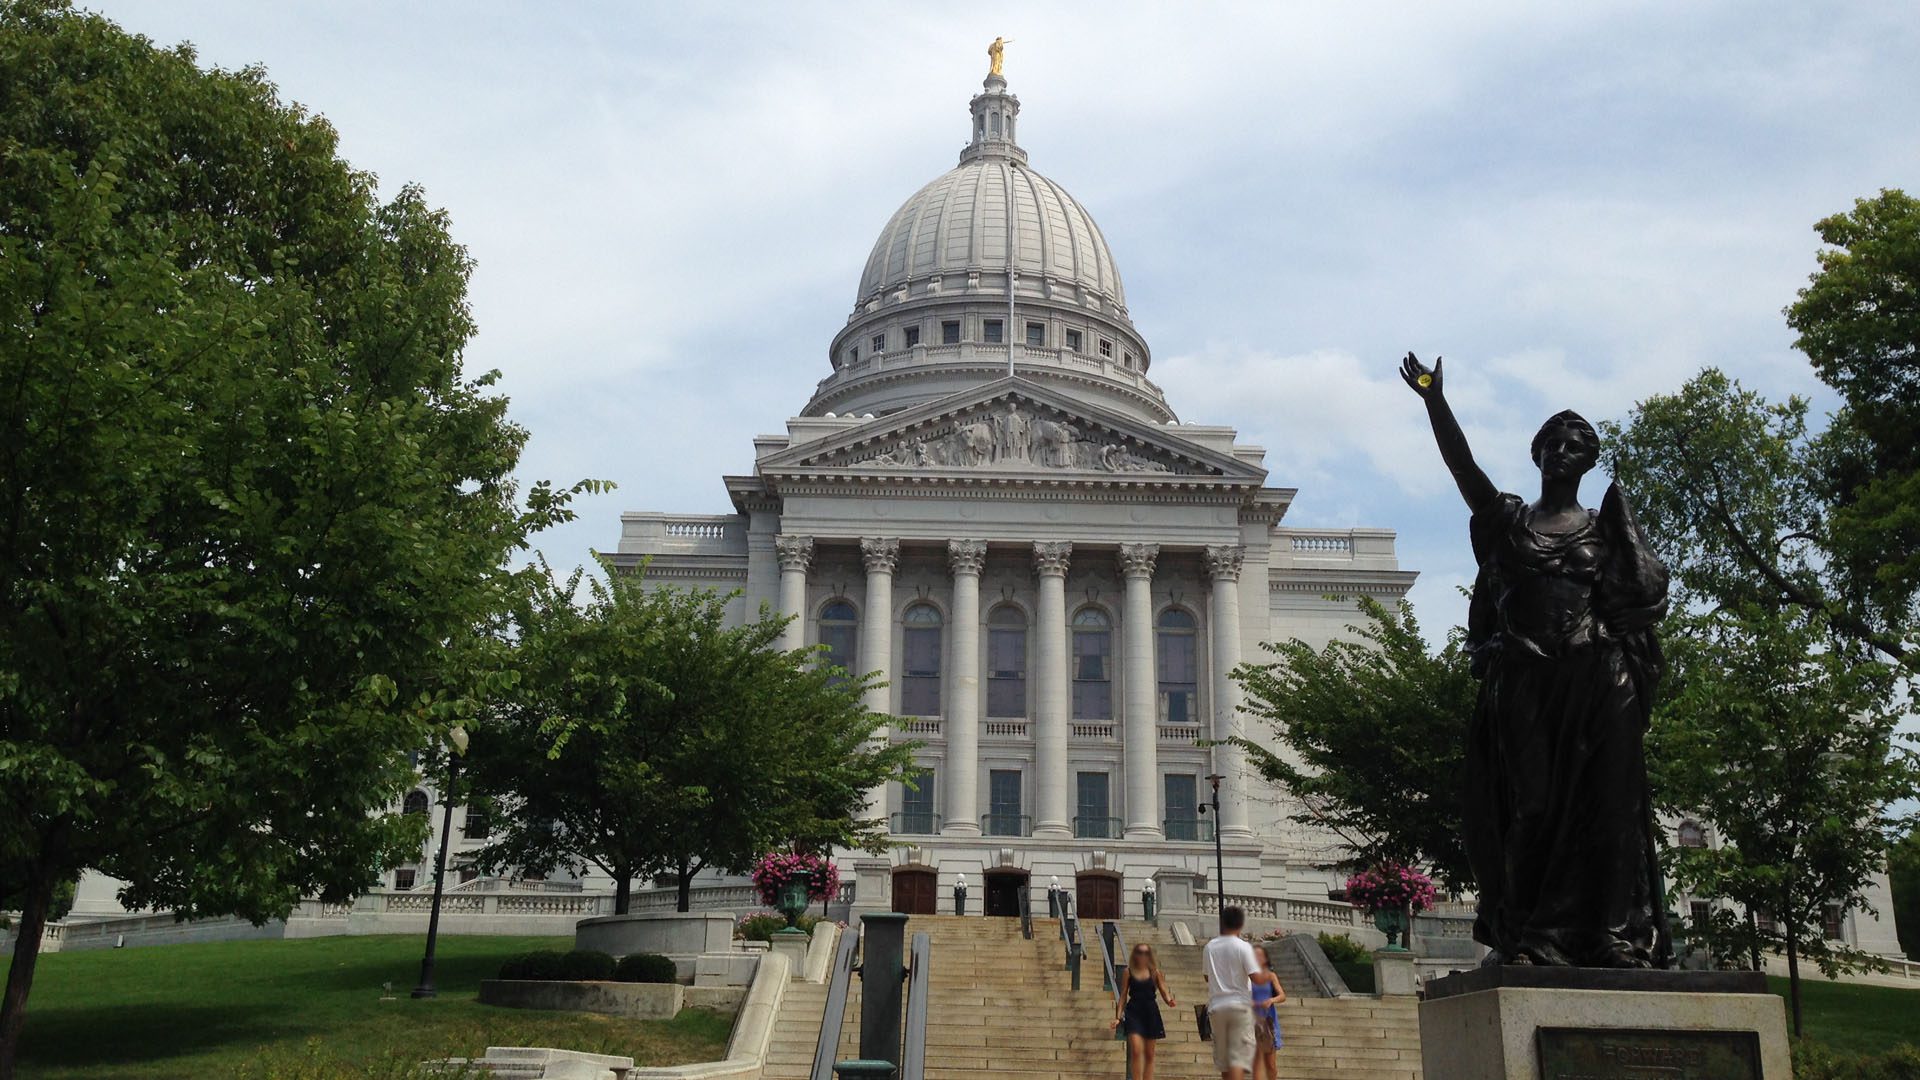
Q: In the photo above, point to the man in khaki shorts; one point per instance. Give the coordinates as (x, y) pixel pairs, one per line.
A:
(1229, 964)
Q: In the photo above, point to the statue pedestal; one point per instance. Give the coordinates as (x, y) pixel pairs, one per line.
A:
(1394, 974)
(1540, 1023)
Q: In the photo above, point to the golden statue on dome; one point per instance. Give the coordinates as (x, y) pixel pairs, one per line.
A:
(996, 53)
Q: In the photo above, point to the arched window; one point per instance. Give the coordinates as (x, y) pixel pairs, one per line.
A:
(1092, 665)
(920, 682)
(839, 632)
(1692, 834)
(416, 802)
(1007, 661)
(1178, 656)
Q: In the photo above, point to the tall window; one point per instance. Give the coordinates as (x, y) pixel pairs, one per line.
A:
(840, 633)
(916, 806)
(910, 336)
(879, 343)
(1700, 914)
(1832, 923)
(1183, 807)
(1007, 662)
(993, 331)
(404, 878)
(1036, 334)
(1092, 665)
(1073, 341)
(1094, 820)
(1003, 803)
(920, 684)
(950, 332)
(416, 803)
(477, 826)
(1692, 835)
(1178, 661)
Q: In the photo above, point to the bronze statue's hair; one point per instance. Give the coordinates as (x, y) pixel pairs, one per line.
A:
(1568, 420)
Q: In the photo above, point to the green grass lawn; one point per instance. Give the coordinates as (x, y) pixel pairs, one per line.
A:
(308, 1009)
(1852, 1017)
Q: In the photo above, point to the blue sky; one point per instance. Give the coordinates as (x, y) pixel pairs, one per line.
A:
(1579, 205)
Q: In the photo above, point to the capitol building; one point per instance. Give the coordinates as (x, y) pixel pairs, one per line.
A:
(989, 501)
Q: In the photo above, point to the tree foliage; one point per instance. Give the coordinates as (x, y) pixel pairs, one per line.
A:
(646, 736)
(1903, 870)
(1784, 736)
(1373, 732)
(247, 493)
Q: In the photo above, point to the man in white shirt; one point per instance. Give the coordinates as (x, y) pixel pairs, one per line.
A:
(1229, 964)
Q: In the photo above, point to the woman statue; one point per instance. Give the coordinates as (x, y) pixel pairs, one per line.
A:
(1558, 828)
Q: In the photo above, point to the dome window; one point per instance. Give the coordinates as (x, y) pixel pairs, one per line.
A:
(1106, 348)
(910, 336)
(853, 355)
(1036, 335)
(879, 343)
(950, 332)
(993, 332)
(1127, 359)
(1073, 341)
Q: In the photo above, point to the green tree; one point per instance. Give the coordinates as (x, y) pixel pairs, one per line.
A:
(1374, 732)
(1858, 320)
(1903, 867)
(1782, 736)
(247, 494)
(647, 736)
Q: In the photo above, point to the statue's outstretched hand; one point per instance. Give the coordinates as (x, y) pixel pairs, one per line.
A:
(1424, 380)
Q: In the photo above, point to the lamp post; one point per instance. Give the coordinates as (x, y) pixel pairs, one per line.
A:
(456, 748)
(1219, 856)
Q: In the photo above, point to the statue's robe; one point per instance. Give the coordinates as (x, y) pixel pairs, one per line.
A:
(1558, 827)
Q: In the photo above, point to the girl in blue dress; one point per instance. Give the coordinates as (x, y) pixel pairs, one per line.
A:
(1267, 993)
(1137, 1014)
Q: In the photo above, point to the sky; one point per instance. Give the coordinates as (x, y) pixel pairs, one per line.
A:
(669, 206)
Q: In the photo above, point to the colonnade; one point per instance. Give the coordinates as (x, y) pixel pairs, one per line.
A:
(1051, 720)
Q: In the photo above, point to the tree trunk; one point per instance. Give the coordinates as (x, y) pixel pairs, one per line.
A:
(686, 888)
(622, 890)
(26, 955)
(1792, 973)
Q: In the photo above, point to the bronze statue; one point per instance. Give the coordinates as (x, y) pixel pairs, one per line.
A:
(996, 52)
(1560, 629)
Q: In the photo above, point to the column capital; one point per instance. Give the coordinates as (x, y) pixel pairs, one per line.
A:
(1050, 557)
(967, 556)
(880, 554)
(1136, 560)
(1223, 561)
(795, 552)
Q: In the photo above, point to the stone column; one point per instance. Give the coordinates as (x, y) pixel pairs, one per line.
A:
(1142, 745)
(1052, 802)
(876, 639)
(796, 558)
(1223, 569)
(967, 558)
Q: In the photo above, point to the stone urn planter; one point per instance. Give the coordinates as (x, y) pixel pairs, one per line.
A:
(1394, 924)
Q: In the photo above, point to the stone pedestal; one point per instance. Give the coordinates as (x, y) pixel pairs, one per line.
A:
(794, 947)
(1394, 974)
(1175, 891)
(1542, 1023)
(873, 885)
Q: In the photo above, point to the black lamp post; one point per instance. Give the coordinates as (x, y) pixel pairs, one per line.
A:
(1219, 856)
(456, 747)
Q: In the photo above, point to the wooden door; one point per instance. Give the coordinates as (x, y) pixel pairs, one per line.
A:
(1097, 896)
(915, 892)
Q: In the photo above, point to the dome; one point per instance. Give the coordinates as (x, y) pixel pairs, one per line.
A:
(956, 292)
(958, 223)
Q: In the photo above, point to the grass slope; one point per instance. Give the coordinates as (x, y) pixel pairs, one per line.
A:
(1854, 1017)
(307, 1008)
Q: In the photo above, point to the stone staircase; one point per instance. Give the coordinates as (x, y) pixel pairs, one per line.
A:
(1002, 1006)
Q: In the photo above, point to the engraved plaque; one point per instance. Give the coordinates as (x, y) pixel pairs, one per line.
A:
(1647, 1054)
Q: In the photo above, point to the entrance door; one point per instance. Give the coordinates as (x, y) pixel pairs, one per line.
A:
(1003, 892)
(1097, 896)
(915, 892)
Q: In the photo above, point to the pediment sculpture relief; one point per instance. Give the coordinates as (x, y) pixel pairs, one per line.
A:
(1007, 436)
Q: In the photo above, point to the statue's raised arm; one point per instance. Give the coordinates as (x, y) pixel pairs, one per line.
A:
(1426, 381)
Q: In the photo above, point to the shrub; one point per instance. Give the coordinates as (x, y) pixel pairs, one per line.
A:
(1342, 949)
(1812, 1061)
(543, 965)
(586, 965)
(645, 968)
(761, 926)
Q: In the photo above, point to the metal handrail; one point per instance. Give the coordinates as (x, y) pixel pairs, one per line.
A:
(1026, 912)
(914, 823)
(1112, 948)
(913, 1053)
(1097, 828)
(999, 824)
(827, 1050)
(1070, 936)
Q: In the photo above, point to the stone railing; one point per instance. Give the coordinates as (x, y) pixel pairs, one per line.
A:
(495, 884)
(1006, 729)
(1332, 913)
(1321, 543)
(684, 534)
(1083, 730)
(1180, 733)
(918, 725)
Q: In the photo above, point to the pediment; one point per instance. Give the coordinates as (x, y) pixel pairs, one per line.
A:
(1012, 428)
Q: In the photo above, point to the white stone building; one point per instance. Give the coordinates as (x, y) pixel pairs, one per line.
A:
(988, 500)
